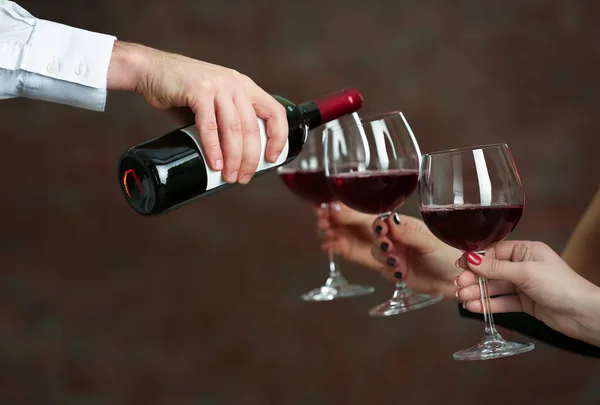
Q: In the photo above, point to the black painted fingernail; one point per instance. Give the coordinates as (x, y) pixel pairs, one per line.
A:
(378, 229)
(385, 246)
(398, 275)
(391, 261)
(396, 218)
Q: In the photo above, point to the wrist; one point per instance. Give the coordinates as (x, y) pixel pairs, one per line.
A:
(588, 316)
(126, 68)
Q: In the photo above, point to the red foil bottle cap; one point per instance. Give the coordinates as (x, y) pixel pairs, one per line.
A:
(338, 104)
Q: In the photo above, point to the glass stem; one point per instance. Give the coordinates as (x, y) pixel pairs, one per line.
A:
(490, 328)
(401, 289)
(333, 258)
(333, 264)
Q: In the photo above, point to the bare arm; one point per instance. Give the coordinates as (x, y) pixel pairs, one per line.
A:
(581, 252)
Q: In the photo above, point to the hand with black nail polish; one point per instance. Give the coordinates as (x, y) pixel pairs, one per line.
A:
(408, 250)
(426, 263)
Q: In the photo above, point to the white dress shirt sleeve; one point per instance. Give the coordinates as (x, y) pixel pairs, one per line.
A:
(48, 61)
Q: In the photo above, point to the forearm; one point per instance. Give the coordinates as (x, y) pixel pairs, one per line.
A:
(53, 62)
(581, 250)
(588, 317)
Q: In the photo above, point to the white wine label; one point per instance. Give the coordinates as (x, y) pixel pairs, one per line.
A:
(215, 178)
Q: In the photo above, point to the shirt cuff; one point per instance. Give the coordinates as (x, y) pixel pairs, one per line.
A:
(76, 59)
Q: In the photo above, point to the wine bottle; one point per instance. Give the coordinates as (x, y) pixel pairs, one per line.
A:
(170, 171)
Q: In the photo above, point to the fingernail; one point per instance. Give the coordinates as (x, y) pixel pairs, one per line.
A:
(391, 261)
(456, 293)
(398, 275)
(385, 246)
(274, 156)
(336, 207)
(474, 259)
(219, 165)
(464, 305)
(378, 229)
(245, 179)
(396, 218)
(456, 281)
(233, 176)
(457, 263)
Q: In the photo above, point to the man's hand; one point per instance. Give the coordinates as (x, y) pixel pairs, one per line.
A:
(224, 104)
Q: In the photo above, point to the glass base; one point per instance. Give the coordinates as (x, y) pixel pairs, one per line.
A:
(493, 347)
(337, 287)
(402, 303)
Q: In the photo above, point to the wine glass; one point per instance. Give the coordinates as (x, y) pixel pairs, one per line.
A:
(373, 167)
(305, 177)
(472, 198)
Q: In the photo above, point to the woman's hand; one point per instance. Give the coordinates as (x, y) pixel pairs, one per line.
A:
(348, 233)
(531, 277)
(408, 251)
(427, 264)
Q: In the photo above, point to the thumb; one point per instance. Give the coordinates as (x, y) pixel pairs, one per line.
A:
(343, 215)
(494, 269)
(410, 232)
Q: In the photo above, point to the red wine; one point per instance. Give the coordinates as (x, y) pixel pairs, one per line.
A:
(311, 186)
(170, 171)
(471, 227)
(374, 192)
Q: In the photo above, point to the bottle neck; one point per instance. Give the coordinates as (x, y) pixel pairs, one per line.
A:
(330, 107)
(311, 115)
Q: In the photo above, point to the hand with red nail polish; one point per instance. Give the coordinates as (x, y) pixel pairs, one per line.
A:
(530, 277)
(427, 264)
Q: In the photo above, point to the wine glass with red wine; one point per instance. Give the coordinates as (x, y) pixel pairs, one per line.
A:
(373, 167)
(305, 177)
(472, 198)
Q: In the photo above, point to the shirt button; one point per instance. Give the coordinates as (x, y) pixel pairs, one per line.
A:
(80, 69)
(52, 67)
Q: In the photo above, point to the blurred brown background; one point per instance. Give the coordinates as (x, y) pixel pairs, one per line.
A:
(101, 306)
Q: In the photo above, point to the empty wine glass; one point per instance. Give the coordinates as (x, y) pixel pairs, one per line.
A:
(305, 177)
(373, 166)
(472, 198)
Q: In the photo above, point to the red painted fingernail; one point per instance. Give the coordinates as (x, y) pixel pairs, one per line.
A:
(474, 259)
